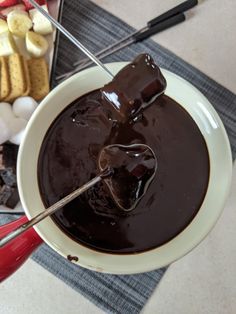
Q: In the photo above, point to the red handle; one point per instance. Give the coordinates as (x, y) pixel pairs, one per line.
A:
(16, 252)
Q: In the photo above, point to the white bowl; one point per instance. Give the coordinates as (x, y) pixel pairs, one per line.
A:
(217, 142)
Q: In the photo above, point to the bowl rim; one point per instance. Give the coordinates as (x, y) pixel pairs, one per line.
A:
(140, 262)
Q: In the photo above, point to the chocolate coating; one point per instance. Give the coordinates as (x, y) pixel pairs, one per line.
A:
(134, 87)
(133, 169)
(68, 159)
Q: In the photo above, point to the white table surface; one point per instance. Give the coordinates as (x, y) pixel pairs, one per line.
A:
(204, 280)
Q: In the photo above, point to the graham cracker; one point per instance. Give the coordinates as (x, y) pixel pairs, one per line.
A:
(27, 78)
(17, 77)
(5, 86)
(39, 79)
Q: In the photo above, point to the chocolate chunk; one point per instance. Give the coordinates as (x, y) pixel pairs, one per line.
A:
(1, 182)
(9, 196)
(13, 199)
(134, 88)
(134, 167)
(8, 186)
(8, 177)
(9, 155)
(5, 193)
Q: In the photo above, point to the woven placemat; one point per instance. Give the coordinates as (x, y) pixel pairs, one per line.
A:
(96, 28)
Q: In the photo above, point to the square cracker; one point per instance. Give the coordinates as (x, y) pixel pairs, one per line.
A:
(17, 77)
(5, 86)
(39, 79)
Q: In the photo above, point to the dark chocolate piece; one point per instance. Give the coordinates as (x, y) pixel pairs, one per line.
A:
(8, 176)
(9, 155)
(134, 87)
(9, 196)
(5, 193)
(68, 159)
(13, 199)
(8, 186)
(134, 167)
(1, 182)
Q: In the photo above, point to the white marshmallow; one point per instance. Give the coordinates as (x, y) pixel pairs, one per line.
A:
(5, 132)
(23, 107)
(17, 138)
(6, 112)
(16, 125)
(12, 128)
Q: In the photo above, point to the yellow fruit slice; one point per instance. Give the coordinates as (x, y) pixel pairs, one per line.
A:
(36, 44)
(19, 23)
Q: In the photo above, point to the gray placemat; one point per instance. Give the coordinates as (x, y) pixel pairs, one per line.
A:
(96, 28)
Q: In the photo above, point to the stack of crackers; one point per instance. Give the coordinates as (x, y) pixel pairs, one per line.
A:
(21, 77)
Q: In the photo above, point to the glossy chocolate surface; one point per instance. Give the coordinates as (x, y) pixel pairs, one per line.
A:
(69, 158)
(133, 168)
(134, 87)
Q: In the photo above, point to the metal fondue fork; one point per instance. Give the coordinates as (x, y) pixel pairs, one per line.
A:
(75, 41)
(49, 211)
(106, 173)
(180, 8)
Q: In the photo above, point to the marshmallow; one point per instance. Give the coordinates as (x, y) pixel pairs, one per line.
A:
(18, 137)
(5, 132)
(12, 128)
(16, 125)
(23, 107)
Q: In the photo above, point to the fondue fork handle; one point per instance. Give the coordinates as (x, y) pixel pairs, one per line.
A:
(49, 211)
(14, 254)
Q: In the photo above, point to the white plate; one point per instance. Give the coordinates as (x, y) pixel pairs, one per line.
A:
(217, 142)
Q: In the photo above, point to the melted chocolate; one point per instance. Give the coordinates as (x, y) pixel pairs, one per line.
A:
(72, 258)
(68, 159)
(133, 168)
(129, 92)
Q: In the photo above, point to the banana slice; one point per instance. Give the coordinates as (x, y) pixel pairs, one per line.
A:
(40, 24)
(3, 26)
(7, 44)
(19, 23)
(36, 44)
